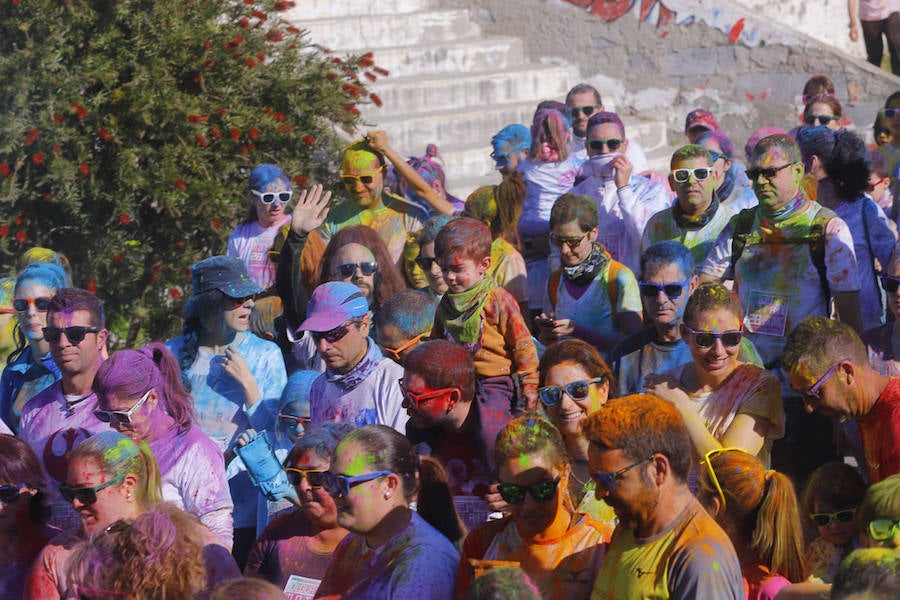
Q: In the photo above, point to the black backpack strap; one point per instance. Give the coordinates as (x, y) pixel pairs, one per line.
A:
(817, 252)
(743, 223)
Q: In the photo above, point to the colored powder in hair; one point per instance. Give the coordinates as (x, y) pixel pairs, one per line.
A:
(123, 449)
(359, 160)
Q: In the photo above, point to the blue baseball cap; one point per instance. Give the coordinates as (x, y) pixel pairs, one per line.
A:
(224, 273)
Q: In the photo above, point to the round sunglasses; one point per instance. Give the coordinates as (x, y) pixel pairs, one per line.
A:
(21, 304)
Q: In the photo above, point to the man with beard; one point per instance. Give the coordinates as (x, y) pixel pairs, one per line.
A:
(828, 366)
(666, 545)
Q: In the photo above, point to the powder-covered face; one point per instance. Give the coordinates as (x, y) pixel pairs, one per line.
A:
(316, 503)
(562, 233)
(269, 215)
(717, 359)
(606, 131)
(776, 192)
(721, 164)
(836, 532)
(662, 309)
(365, 506)
(32, 321)
(635, 498)
(111, 504)
(462, 273)
(530, 516)
(142, 421)
(429, 412)
(358, 164)
(694, 195)
(569, 415)
(434, 275)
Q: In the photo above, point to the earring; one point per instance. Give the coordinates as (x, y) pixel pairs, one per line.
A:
(387, 495)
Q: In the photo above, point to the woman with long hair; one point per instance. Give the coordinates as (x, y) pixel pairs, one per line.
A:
(542, 529)
(392, 551)
(235, 378)
(575, 381)
(757, 508)
(724, 402)
(23, 513)
(838, 162)
(140, 394)
(30, 369)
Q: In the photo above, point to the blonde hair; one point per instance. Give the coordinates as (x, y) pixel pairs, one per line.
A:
(119, 455)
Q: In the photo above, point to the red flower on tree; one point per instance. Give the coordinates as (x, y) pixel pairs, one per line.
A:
(309, 140)
(91, 286)
(216, 223)
(300, 180)
(79, 110)
(201, 140)
(284, 5)
(84, 169)
(251, 63)
(18, 221)
(38, 158)
(104, 135)
(179, 184)
(124, 219)
(175, 293)
(215, 132)
(58, 119)
(274, 36)
(253, 133)
(278, 116)
(5, 171)
(4, 230)
(244, 22)
(374, 98)
(235, 133)
(198, 118)
(21, 237)
(31, 137)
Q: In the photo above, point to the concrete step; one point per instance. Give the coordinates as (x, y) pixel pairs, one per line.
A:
(450, 91)
(465, 56)
(307, 10)
(390, 30)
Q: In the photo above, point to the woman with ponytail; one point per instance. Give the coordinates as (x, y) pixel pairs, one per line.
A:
(758, 510)
(838, 162)
(392, 551)
(140, 394)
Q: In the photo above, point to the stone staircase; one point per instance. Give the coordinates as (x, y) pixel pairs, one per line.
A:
(449, 84)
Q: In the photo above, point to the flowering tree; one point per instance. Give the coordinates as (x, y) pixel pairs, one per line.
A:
(128, 129)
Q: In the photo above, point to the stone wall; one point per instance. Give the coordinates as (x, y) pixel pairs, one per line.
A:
(655, 61)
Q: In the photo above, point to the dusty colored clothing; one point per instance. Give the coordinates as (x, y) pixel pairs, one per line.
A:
(777, 282)
(662, 226)
(749, 390)
(53, 424)
(881, 350)
(823, 559)
(23, 379)
(508, 269)
(880, 434)
(284, 549)
(564, 567)
(505, 346)
(416, 564)
(691, 558)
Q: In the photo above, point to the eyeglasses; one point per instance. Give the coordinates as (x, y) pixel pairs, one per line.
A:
(426, 262)
(612, 144)
(826, 519)
(339, 485)
(75, 333)
(672, 290)
(823, 120)
(608, 479)
(268, 198)
(576, 390)
(336, 334)
(572, 242)
(753, 173)
(890, 113)
(541, 491)
(882, 529)
(293, 420)
(712, 472)
(11, 493)
(585, 110)
(22, 304)
(890, 284)
(684, 175)
(395, 352)
(348, 270)
(367, 179)
(706, 339)
(123, 418)
(315, 477)
(86, 495)
(235, 303)
(413, 399)
(813, 390)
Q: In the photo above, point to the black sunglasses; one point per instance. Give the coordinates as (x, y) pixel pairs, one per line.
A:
(75, 333)
(315, 477)
(334, 335)
(705, 339)
(426, 262)
(612, 144)
(348, 270)
(577, 390)
(86, 495)
(823, 120)
(585, 110)
(890, 284)
(754, 172)
(890, 113)
(672, 290)
(41, 304)
(541, 491)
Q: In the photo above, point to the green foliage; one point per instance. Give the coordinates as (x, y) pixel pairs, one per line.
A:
(128, 129)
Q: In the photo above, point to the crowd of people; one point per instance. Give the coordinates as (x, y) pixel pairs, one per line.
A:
(589, 380)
